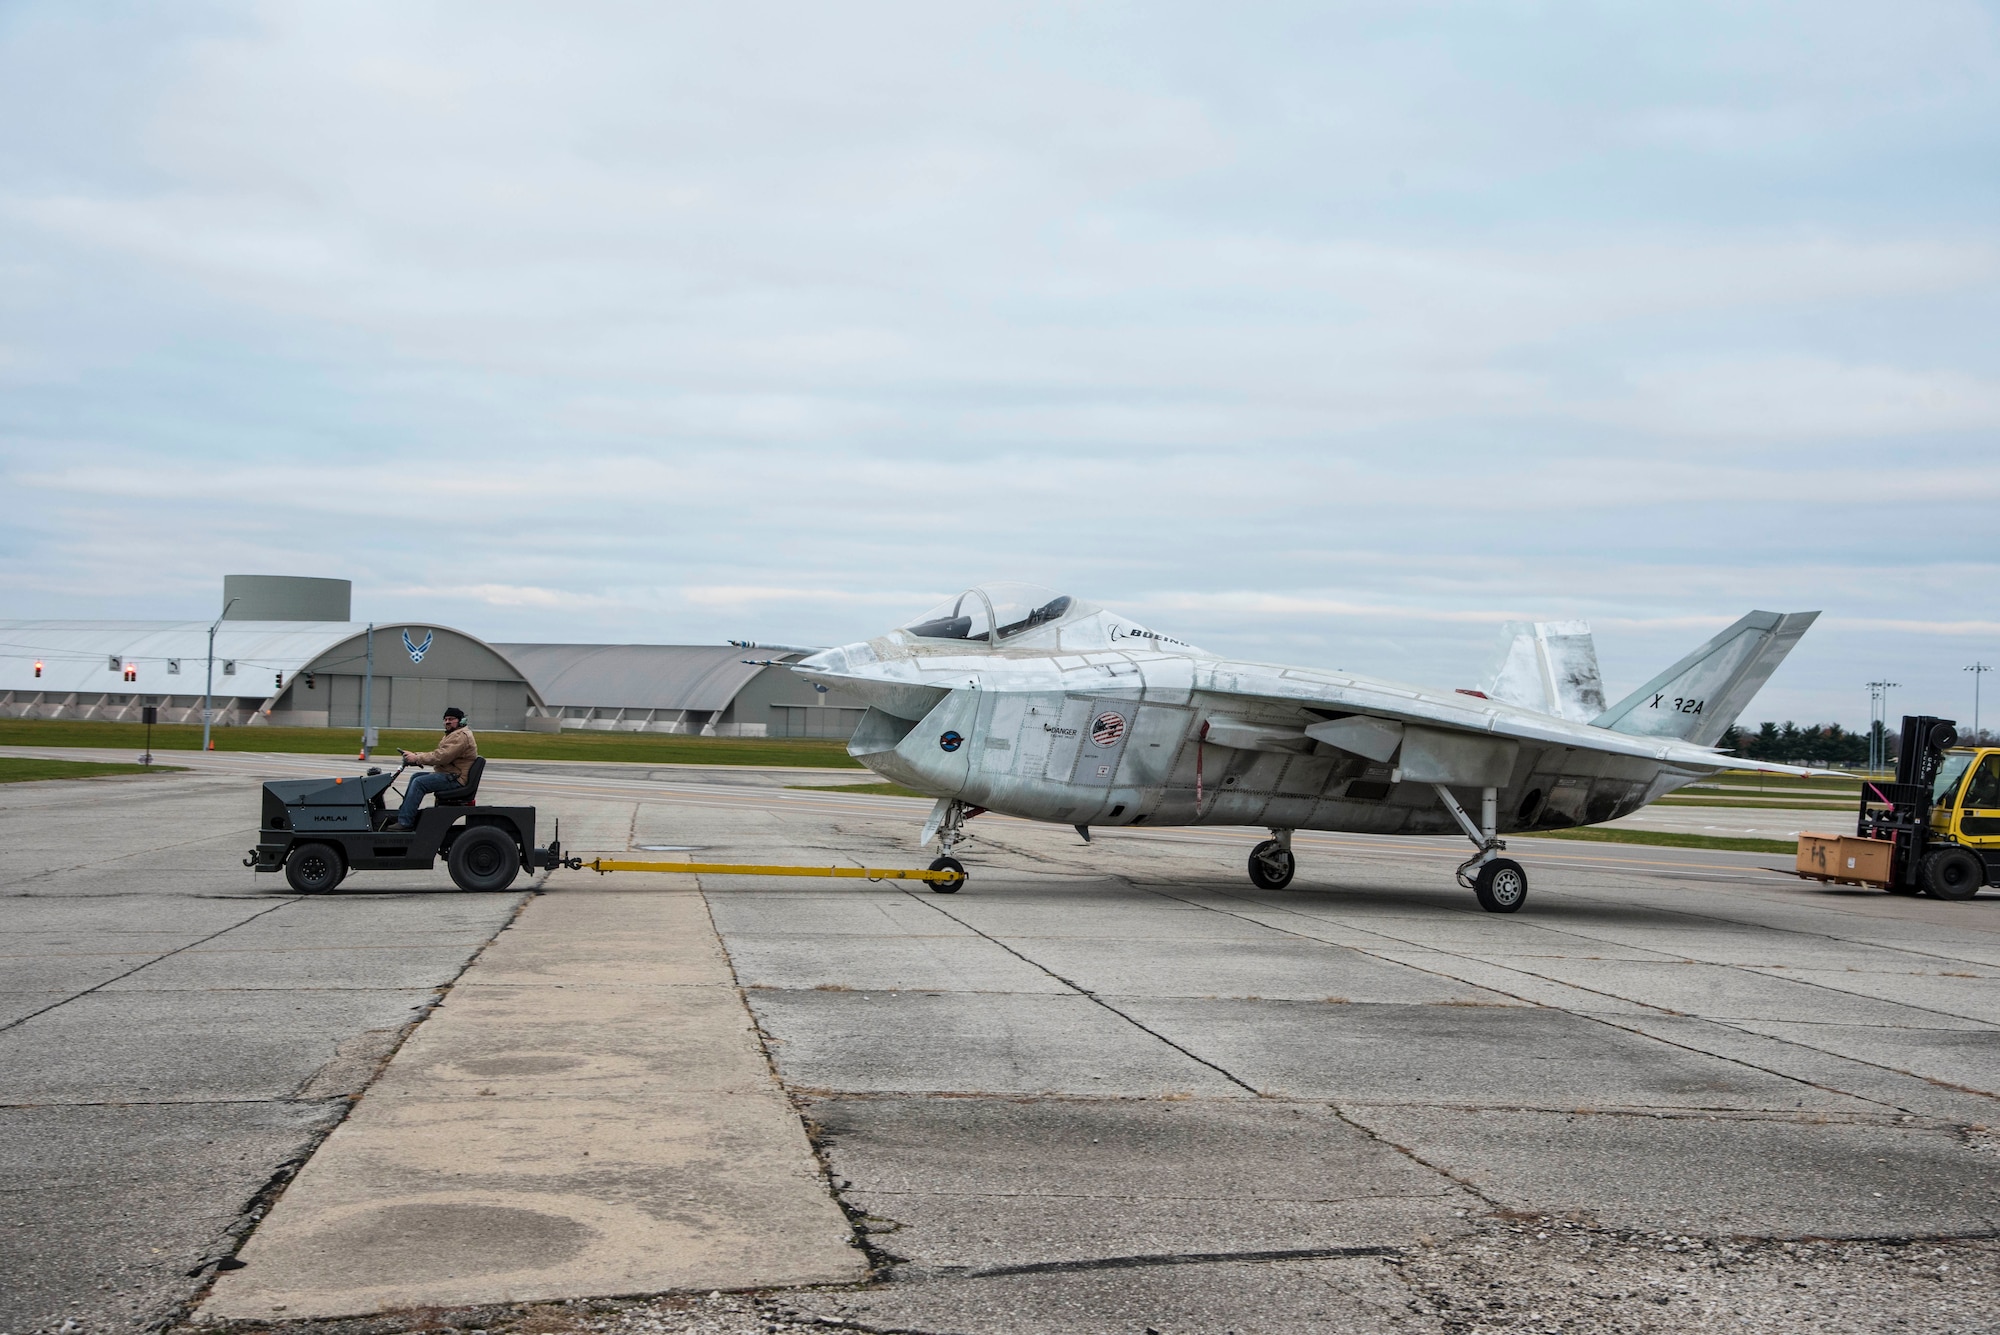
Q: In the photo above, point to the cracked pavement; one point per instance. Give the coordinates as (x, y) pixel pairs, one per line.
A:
(1116, 1088)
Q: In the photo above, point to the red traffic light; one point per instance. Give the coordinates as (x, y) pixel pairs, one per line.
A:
(38, 667)
(131, 672)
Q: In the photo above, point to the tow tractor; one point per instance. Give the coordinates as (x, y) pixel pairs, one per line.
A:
(1934, 831)
(318, 830)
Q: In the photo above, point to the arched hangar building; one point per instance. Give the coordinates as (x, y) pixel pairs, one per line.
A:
(715, 690)
(288, 654)
(277, 673)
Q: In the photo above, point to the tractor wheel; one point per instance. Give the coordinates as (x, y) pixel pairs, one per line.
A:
(1952, 873)
(314, 869)
(484, 859)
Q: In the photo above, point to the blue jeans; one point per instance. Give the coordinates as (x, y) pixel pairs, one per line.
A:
(413, 794)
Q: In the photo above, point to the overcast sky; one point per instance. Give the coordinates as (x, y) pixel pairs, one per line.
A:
(1333, 334)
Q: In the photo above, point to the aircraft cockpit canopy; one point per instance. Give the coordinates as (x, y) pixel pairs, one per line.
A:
(994, 613)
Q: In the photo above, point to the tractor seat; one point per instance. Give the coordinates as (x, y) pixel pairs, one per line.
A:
(461, 795)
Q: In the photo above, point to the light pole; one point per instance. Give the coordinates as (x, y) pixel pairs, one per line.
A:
(1878, 737)
(1977, 670)
(368, 698)
(208, 684)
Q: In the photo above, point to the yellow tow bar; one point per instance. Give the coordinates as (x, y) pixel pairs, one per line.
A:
(944, 877)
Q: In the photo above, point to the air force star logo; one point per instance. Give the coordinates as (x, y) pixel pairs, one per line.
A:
(417, 651)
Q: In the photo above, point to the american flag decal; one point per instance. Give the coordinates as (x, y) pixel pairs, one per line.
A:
(1106, 729)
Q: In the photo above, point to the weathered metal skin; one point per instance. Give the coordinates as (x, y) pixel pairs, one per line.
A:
(1091, 719)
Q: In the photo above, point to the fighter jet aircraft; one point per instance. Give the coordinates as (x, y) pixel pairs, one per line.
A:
(1016, 699)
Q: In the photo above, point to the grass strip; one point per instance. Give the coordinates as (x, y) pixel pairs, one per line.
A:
(881, 789)
(26, 769)
(1667, 839)
(643, 747)
(1776, 802)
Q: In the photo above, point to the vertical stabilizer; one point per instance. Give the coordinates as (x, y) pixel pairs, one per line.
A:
(1550, 667)
(1697, 698)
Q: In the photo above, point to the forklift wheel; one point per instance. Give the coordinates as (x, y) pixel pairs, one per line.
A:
(484, 859)
(314, 869)
(1953, 873)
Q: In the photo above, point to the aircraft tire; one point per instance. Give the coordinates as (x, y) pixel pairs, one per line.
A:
(948, 887)
(314, 869)
(1952, 873)
(1272, 865)
(1502, 887)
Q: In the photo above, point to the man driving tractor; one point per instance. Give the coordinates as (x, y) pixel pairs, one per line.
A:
(450, 763)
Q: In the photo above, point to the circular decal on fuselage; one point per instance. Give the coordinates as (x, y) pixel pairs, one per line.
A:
(1106, 729)
(951, 741)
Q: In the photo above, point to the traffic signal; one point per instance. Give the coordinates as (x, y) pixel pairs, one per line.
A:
(309, 681)
(277, 681)
(131, 672)
(38, 667)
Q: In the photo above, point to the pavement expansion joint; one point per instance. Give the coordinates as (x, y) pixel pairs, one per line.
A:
(168, 954)
(1145, 1261)
(1085, 992)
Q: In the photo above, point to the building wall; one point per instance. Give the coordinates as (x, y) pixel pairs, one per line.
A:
(455, 670)
(784, 704)
(404, 701)
(122, 707)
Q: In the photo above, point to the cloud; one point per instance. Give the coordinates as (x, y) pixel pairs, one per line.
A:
(1334, 333)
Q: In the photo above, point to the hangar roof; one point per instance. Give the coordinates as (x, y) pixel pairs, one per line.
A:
(634, 676)
(76, 655)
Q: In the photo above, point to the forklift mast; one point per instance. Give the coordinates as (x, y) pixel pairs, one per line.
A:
(1901, 811)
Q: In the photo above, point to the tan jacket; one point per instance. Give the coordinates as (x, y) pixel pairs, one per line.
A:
(456, 751)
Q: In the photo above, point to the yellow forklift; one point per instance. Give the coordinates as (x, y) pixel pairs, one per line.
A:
(1934, 831)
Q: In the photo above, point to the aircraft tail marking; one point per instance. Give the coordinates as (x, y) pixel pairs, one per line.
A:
(1697, 698)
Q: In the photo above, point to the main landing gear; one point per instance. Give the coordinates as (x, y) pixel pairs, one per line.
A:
(1499, 883)
(1271, 862)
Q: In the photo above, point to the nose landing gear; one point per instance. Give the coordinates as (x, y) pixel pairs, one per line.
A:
(947, 826)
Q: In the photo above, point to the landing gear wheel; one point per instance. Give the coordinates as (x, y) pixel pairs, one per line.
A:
(1272, 865)
(1501, 886)
(1952, 873)
(948, 887)
(314, 869)
(484, 859)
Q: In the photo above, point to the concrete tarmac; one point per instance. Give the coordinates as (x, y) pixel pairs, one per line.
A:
(175, 1038)
(1114, 1087)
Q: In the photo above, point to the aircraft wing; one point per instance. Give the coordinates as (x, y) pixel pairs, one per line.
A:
(1444, 732)
(1673, 719)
